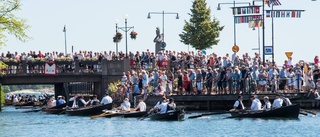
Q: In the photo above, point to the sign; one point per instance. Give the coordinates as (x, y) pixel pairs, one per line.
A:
(235, 48)
(288, 54)
(50, 68)
(268, 50)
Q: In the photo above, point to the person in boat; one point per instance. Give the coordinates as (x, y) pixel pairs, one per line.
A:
(71, 101)
(238, 105)
(277, 103)
(125, 105)
(81, 102)
(53, 102)
(61, 100)
(267, 104)
(163, 107)
(94, 101)
(171, 105)
(286, 101)
(141, 106)
(106, 99)
(156, 108)
(256, 104)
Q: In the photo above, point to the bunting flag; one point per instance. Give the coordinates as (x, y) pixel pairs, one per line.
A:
(255, 23)
(246, 19)
(283, 13)
(246, 10)
(272, 2)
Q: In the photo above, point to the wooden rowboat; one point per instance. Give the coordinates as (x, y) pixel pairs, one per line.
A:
(177, 115)
(55, 110)
(88, 111)
(283, 112)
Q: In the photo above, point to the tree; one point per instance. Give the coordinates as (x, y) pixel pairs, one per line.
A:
(200, 32)
(9, 23)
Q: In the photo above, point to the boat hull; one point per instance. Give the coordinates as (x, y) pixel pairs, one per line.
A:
(170, 116)
(283, 112)
(88, 111)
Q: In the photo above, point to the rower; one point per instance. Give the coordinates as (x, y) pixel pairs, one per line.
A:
(277, 103)
(238, 105)
(286, 101)
(267, 104)
(156, 108)
(125, 105)
(163, 107)
(94, 101)
(141, 106)
(106, 99)
(81, 102)
(60, 100)
(171, 105)
(256, 104)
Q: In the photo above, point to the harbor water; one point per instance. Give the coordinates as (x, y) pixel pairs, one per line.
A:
(21, 123)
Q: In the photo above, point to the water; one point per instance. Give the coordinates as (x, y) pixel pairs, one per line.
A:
(16, 123)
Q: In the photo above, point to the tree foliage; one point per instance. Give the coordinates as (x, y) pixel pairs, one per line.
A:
(200, 32)
(6, 88)
(10, 24)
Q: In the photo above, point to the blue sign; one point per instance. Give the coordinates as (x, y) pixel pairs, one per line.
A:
(268, 50)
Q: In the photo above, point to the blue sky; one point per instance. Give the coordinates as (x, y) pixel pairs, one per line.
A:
(91, 26)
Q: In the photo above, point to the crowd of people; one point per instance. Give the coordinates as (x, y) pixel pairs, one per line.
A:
(195, 73)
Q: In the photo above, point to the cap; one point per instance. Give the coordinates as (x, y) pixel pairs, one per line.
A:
(239, 96)
(266, 97)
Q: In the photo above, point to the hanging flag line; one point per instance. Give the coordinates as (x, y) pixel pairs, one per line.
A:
(283, 13)
(247, 18)
(255, 9)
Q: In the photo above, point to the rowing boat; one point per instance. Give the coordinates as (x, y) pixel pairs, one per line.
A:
(283, 112)
(56, 109)
(88, 111)
(132, 114)
(177, 115)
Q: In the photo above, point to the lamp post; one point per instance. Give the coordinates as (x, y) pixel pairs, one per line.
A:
(234, 17)
(116, 22)
(65, 40)
(258, 41)
(126, 29)
(163, 13)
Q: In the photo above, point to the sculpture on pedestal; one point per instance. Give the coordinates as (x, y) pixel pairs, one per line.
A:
(160, 45)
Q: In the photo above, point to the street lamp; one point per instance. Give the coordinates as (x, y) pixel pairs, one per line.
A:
(116, 22)
(126, 29)
(234, 17)
(163, 13)
(65, 40)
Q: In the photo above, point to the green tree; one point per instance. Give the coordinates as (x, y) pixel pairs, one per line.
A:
(200, 32)
(9, 23)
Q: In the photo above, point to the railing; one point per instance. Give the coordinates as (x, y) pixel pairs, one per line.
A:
(37, 67)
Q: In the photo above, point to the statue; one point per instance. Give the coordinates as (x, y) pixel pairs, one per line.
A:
(158, 40)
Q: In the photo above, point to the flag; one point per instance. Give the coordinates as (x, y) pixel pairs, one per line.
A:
(64, 28)
(293, 14)
(268, 13)
(298, 14)
(272, 2)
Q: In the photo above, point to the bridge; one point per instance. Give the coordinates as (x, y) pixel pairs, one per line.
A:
(68, 77)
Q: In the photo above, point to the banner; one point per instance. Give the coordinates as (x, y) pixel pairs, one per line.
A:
(255, 23)
(50, 68)
(283, 13)
(246, 10)
(246, 19)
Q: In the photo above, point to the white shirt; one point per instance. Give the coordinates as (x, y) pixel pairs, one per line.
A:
(125, 105)
(267, 106)
(163, 108)
(256, 104)
(106, 100)
(142, 106)
(277, 103)
(287, 101)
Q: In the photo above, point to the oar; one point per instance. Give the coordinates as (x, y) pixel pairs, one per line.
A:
(309, 111)
(144, 116)
(303, 113)
(100, 115)
(207, 114)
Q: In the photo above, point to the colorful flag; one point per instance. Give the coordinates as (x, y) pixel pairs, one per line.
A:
(272, 2)
(283, 14)
(293, 14)
(298, 14)
(268, 13)
(288, 14)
